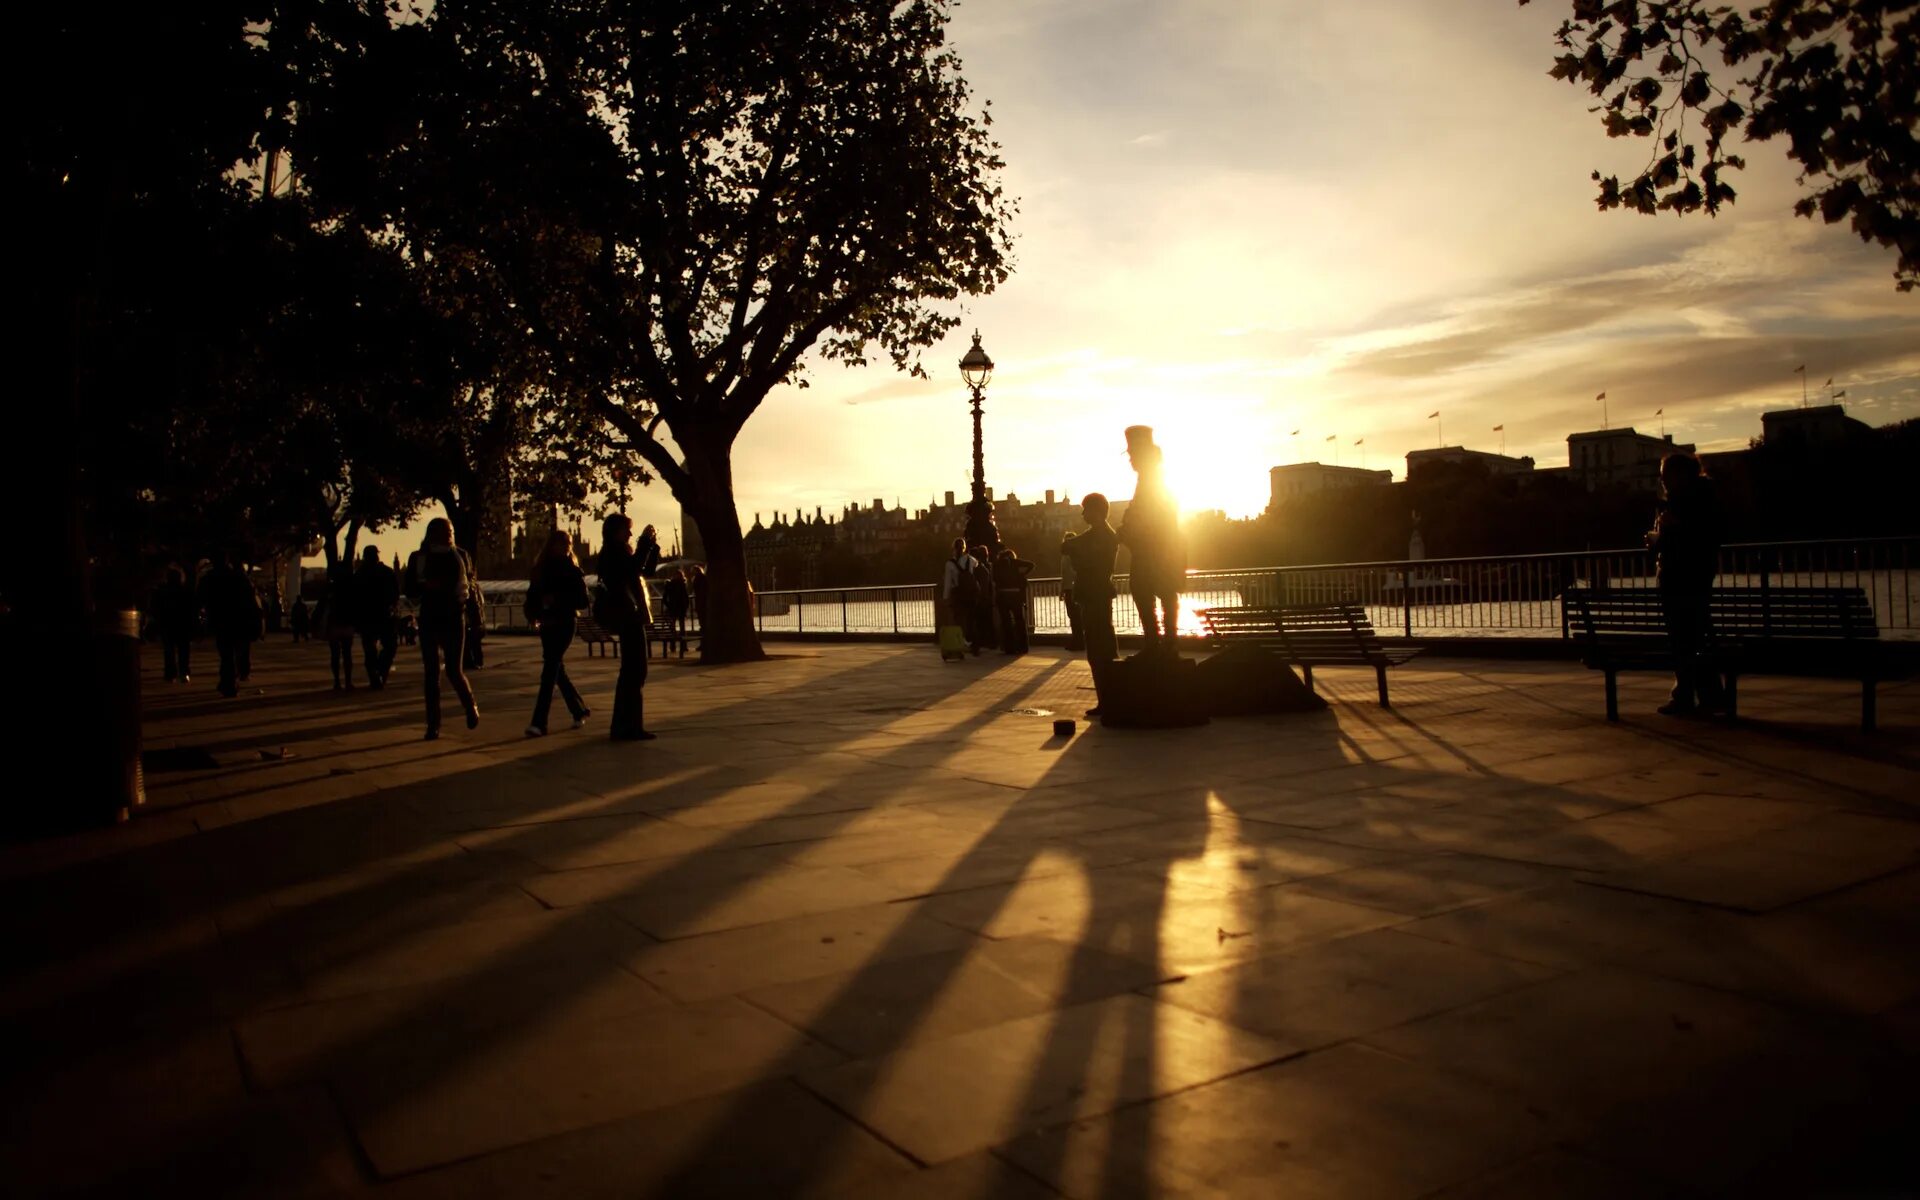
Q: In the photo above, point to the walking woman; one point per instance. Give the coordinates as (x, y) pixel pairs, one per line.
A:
(555, 597)
(624, 569)
(439, 579)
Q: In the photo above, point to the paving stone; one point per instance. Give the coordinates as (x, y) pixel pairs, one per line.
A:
(1331, 991)
(667, 912)
(1646, 1069)
(962, 866)
(1232, 855)
(428, 1104)
(382, 959)
(942, 1099)
(1430, 884)
(975, 1177)
(901, 1001)
(736, 960)
(1348, 1121)
(312, 1042)
(777, 1140)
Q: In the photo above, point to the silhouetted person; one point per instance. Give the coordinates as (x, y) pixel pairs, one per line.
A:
(1010, 573)
(1686, 543)
(335, 615)
(299, 619)
(476, 616)
(555, 595)
(1068, 577)
(623, 570)
(984, 598)
(1093, 553)
(676, 599)
(175, 613)
(439, 579)
(376, 591)
(959, 592)
(1151, 531)
(697, 589)
(233, 613)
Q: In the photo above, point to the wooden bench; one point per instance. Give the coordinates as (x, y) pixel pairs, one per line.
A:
(595, 635)
(668, 637)
(1309, 635)
(1825, 633)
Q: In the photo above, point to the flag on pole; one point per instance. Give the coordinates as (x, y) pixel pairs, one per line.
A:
(1331, 436)
(1600, 397)
(1432, 415)
(1801, 369)
(1295, 433)
(1499, 428)
(1659, 412)
(1840, 393)
(1829, 382)
(1361, 442)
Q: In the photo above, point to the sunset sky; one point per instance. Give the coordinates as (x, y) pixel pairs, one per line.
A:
(1238, 220)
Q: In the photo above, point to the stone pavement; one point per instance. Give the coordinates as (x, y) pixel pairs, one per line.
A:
(858, 925)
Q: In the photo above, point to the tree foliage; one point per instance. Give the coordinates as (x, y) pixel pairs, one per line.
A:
(677, 202)
(1839, 80)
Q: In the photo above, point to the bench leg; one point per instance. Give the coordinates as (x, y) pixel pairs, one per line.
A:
(1381, 674)
(1306, 675)
(1869, 704)
(1613, 696)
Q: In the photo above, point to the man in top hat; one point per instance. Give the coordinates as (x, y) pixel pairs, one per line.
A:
(1151, 531)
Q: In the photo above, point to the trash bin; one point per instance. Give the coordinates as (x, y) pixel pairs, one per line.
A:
(114, 784)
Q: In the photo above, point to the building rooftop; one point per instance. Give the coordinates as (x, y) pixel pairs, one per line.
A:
(858, 925)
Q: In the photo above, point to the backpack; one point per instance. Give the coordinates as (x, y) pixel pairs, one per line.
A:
(966, 591)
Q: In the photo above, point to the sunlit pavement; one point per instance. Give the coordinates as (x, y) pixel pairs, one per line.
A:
(857, 924)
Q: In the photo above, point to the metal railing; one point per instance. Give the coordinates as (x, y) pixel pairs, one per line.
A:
(1495, 596)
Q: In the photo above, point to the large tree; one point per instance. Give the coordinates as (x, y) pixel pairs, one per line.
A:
(1838, 79)
(681, 202)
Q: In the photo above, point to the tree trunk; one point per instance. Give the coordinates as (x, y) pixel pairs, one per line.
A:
(728, 634)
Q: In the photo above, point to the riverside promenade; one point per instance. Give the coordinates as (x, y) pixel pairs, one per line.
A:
(858, 925)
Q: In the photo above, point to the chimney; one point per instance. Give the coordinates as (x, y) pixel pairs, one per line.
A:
(1669, 438)
(1049, 495)
(876, 504)
(949, 499)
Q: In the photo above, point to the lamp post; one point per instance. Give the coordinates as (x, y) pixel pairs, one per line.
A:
(976, 369)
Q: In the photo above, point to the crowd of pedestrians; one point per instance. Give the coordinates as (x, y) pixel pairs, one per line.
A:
(361, 605)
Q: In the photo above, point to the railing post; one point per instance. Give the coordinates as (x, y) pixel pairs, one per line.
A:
(893, 598)
(799, 614)
(843, 612)
(1406, 601)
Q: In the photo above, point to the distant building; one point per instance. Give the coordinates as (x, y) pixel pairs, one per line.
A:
(1496, 464)
(1619, 458)
(1301, 479)
(1824, 426)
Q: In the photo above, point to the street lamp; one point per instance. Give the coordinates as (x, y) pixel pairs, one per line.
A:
(976, 369)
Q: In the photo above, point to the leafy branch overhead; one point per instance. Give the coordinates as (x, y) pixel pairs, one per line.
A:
(1838, 79)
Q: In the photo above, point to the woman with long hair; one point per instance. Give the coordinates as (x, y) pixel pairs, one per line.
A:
(555, 595)
(439, 579)
(623, 570)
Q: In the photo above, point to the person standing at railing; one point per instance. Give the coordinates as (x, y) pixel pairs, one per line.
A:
(1151, 532)
(1067, 580)
(675, 599)
(1685, 540)
(1010, 573)
(1092, 554)
(983, 603)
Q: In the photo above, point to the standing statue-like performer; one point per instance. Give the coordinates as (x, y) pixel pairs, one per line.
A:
(1151, 532)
